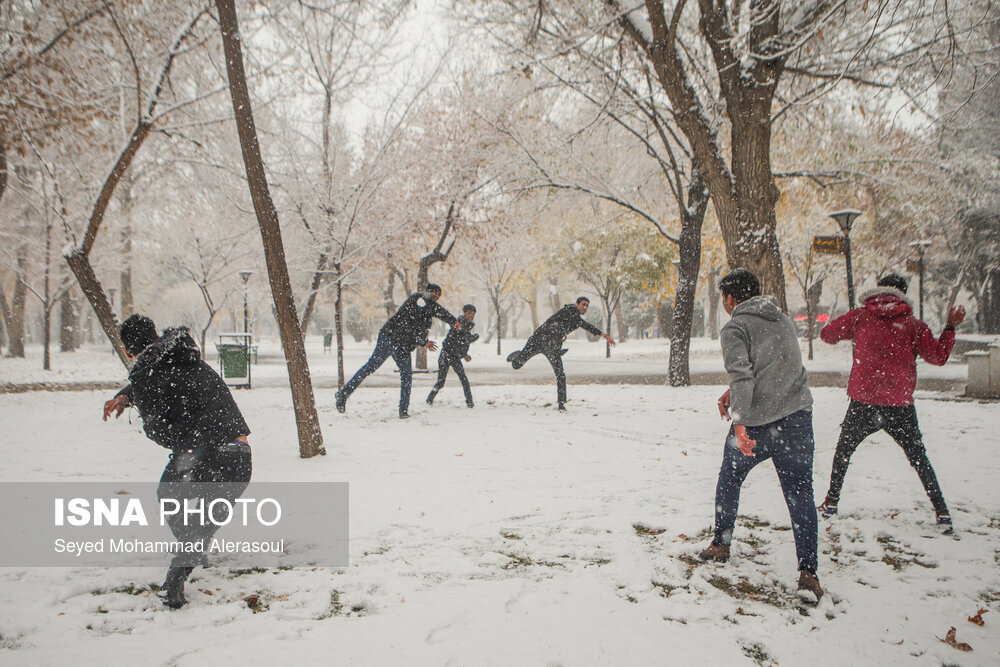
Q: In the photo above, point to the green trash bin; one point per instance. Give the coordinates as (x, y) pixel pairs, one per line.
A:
(327, 340)
(235, 360)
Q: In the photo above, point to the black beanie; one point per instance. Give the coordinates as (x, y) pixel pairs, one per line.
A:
(893, 280)
(468, 306)
(137, 332)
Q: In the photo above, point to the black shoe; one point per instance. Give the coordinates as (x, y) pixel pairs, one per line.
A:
(403, 414)
(562, 407)
(172, 590)
(510, 357)
(563, 351)
(470, 404)
(430, 396)
(341, 401)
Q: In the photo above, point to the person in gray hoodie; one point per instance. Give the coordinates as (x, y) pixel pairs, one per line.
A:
(771, 408)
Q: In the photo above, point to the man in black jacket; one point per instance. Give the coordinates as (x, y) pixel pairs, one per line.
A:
(402, 333)
(187, 408)
(455, 348)
(548, 338)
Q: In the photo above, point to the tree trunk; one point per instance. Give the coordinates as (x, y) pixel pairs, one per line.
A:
(313, 291)
(714, 296)
(304, 405)
(125, 287)
(620, 323)
(989, 304)
(812, 295)
(4, 316)
(533, 306)
(18, 298)
(608, 314)
(689, 249)
(69, 322)
(554, 303)
(499, 328)
(95, 294)
(338, 314)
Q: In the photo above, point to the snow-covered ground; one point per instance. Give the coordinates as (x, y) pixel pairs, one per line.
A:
(513, 535)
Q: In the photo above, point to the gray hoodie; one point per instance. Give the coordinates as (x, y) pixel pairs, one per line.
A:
(766, 378)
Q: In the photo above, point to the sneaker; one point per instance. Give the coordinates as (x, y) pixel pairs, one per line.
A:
(341, 401)
(470, 404)
(430, 396)
(562, 407)
(809, 584)
(944, 524)
(715, 552)
(403, 414)
(827, 509)
(510, 357)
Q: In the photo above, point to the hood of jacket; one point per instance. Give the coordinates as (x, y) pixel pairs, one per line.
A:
(176, 342)
(760, 306)
(886, 302)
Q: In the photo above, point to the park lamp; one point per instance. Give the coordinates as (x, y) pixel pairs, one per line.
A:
(845, 219)
(921, 245)
(245, 275)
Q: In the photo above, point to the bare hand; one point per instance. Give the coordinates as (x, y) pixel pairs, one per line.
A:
(611, 341)
(955, 316)
(116, 405)
(724, 406)
(431, 345)
(468, 358)
(745, 445)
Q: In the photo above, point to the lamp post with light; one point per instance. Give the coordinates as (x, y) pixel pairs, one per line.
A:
(845, 219)
(921, 247)
(245, 275)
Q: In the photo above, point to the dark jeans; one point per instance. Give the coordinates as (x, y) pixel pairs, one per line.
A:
(446, 361)
(789, 443)
(862, 420)
(385, 347)
(222, 471)
(554, 355)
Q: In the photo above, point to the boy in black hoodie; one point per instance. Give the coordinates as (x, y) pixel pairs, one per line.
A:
(187, 408)
(454, 349)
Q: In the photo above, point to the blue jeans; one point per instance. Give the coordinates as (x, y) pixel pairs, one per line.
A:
(789, 443)
(386, 347)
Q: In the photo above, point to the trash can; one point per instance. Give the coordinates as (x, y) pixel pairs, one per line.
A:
(327, 341)
(234, 359)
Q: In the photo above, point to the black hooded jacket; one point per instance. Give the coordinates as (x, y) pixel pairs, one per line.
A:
(563, 322)
(408, 327)
(457, 342)
(184, 404)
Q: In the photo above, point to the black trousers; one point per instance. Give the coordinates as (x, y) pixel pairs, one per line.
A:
(386, 347)
(222, 471)
(554, 355)
(447, 360)
(862, 420)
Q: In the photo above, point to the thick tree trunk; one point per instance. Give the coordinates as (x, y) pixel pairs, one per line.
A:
(18, 301)
(69, 322)
(95, 294)
(689, 249)
(304, 405)
(714, 296)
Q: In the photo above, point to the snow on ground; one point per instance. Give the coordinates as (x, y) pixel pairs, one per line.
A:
(510, 534)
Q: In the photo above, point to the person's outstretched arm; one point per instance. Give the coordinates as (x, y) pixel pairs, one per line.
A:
(937, 350)
(841, 328)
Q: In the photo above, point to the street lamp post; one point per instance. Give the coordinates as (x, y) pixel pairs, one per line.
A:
(245, 275)
(845, 219)
(921, 247)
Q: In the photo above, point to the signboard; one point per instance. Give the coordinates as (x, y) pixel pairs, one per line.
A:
(831, 245)
(913, 266)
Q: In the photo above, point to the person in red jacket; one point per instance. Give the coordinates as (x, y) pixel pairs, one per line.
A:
(887, 339)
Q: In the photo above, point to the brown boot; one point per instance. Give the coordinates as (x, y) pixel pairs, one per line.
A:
(717, 552)
(809, 583)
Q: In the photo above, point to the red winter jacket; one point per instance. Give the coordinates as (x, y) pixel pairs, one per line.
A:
(887, 339)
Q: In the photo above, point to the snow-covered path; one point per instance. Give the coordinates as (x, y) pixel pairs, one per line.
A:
(511, 534)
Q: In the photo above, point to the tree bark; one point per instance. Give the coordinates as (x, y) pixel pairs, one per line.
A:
(18, 299)
(689, 249)
(714, 297)
(317, 280)
(304, 405)
(69, 322)
(4, 316)
(427, 261)
(338, 315)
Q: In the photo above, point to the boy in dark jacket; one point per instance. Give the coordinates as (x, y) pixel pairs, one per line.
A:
(771, 407)
(187, 408)
(548, 338)
(402, 333)
(887, 339)
(454, 349)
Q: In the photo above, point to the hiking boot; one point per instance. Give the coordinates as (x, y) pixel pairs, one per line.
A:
(172, 591)
(827, 509)
(430, 396)
(715, 552)
(809, 584)
(944, 524)
(341, 401)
